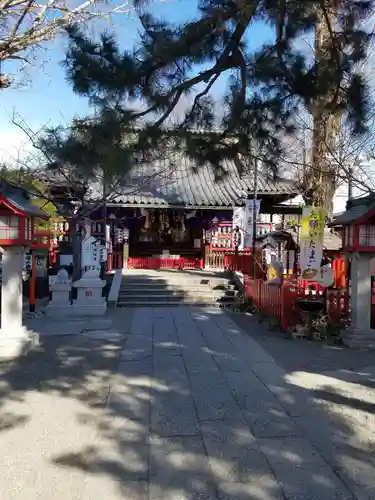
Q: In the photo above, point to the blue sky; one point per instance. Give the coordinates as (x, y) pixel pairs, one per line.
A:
(47, 97)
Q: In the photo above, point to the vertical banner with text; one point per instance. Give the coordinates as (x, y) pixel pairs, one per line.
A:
(250, 220)
(239, 220)
(311, 242)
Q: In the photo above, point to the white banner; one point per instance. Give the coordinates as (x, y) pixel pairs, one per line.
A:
(249, 220)
(108, 239)
(103, 254)
(90, 252)
(239, 218)
(311, 241)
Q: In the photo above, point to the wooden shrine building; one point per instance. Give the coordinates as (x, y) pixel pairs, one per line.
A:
(174, 209)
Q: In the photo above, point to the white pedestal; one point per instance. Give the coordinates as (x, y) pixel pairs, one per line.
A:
(60, 306)
(89, 296)
(360, 333)
(15, 339)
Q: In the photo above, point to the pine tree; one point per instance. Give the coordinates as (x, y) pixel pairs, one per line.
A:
(267, 87)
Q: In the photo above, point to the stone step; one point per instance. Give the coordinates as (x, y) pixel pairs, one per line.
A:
(173, 303)
(172, 298)
(142, 287)
(178, 291)
(144, 280)
(168, 286)
(176, 283)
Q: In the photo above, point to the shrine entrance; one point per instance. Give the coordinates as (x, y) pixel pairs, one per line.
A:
(171, 238)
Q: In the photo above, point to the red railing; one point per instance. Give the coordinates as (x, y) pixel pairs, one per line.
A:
(167, 263)
(243, 262)
(338, 305)
(277, 301)
(280, 301)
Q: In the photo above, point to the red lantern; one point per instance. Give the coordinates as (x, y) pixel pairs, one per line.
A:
(16, 227)
(17, 214)
(358, 225)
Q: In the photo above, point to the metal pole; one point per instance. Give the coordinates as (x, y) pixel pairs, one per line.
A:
(255, 195)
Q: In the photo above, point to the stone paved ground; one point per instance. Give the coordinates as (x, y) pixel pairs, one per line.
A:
(179, 403)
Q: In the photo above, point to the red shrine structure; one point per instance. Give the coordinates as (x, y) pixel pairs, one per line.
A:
(17, 216)
(172, 213)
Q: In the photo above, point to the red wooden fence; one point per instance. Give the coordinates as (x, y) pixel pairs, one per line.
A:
(167, 263)
(277, 301)
(280, 301)
(338, 305)
(243, 262)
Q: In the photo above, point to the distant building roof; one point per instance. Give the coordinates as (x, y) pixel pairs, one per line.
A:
(179, 181)
(332, 240)
(20, 199)
(355, 209)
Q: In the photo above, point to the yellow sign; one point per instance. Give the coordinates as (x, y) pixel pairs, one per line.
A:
(275, 270)
(311, 242)
(271, 272)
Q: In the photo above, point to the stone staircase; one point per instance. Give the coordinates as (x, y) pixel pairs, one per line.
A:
(141, 288)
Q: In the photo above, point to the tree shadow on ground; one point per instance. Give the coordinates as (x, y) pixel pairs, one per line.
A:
(304, 355)
(334, 388)
(173, 410)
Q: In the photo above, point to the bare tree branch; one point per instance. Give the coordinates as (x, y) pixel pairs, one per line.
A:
(25, 24)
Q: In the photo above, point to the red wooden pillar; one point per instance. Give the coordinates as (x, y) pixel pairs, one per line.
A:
(32, 283)
(288, 297)
(109, 263)
(50, 252)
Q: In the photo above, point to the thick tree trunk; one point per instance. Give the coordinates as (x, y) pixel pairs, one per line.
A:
(76, 246)
(321, 178)
(323, 175)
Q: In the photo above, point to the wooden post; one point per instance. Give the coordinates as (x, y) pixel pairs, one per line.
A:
(109, 263)
(125, 256)
(32, 283)
(207, 256)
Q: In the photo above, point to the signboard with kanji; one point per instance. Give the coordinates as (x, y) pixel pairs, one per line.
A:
(249, 223)
(103, 253)
(91, 252)
(311, 242)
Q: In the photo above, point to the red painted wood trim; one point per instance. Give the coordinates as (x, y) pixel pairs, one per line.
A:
(6, 203)
(355, 237)
(364, 218)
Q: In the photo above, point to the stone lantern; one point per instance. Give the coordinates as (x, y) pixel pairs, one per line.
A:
(358, 237)
(17, 215)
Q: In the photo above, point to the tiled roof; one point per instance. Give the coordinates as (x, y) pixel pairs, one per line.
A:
(355, 210)
(179, 181)
(19, 198)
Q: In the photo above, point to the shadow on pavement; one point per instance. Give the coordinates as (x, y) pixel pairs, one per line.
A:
(336, 386)
(183, 405)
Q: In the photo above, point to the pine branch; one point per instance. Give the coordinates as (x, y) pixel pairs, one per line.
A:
(268, 86)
